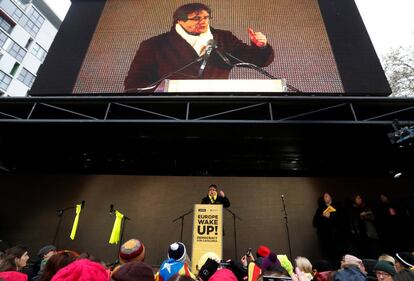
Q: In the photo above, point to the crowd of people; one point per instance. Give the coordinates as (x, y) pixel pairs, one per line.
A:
(346, 232)
(362, 228)
(67, 265)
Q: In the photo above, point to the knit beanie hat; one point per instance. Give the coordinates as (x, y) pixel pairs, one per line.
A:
(271, 263)
(13, 276)
(46, 249)
(82, 270)
(223, 275)
(134, 271)
(263, 251)
(386, 267)
(208, 269)
(132, 250)
(406, 259)
(177, 251)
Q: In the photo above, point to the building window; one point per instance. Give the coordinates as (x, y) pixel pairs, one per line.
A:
(17, 52)
(31, 25)
(26, 77)
(29, 43)
(4, 81)
(3, 38)
(36, 17)
(39, 52)
(5, 24)
(14, 69)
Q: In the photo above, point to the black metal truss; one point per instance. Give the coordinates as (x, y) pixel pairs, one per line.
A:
(205, 135)
(211, 109)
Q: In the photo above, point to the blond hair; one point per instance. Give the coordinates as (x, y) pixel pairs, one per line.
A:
(304, 264)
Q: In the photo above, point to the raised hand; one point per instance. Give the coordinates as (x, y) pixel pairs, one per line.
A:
(258, 38)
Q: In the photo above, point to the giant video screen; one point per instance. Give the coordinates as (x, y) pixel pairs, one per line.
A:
(315, 46)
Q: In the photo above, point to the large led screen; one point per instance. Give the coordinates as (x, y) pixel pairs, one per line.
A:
(319, 46)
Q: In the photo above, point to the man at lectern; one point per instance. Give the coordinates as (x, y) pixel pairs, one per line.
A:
(193, 50)
(214, 197)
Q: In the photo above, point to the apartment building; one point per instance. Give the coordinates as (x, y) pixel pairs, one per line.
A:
(27, 30)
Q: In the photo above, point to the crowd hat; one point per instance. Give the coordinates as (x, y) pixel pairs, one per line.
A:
(82, 270)
(177, 251)
(386, 267)
(46, 249)
(263, 251)
(134, 271)
(406, 259)
(351, 260)
(132, 250)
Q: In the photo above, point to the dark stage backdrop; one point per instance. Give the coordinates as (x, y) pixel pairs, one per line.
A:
(295, 29)
(29, 204)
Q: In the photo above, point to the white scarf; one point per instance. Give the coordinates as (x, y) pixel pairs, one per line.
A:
(198, 42)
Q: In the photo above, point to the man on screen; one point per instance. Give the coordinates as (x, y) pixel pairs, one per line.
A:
(189, 39)
(215, 197)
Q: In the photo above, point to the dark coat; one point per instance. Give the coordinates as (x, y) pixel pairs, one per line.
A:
(169, 52)
(220, 200)
(350, 273)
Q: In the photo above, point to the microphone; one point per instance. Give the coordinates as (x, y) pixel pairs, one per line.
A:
(82, 204)
(209, 49)
(111, 209)
(222, 56)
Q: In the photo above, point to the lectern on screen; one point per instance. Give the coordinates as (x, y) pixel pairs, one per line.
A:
(320, 46)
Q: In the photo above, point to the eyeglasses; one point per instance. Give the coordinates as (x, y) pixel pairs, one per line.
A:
(197, 18)
(382, 274)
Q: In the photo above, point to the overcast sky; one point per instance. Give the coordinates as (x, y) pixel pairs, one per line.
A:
(390, 23)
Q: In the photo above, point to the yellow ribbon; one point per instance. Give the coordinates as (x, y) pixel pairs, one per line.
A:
(75, 222)
(116, 230)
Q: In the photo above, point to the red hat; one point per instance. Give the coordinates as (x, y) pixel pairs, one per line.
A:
(223, 275)
(13, 276)
(82, 270)
(132, 250)
(263, 251)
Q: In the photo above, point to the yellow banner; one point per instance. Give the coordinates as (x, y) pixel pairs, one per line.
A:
(75, 221)
(207, 231)
(116, 230)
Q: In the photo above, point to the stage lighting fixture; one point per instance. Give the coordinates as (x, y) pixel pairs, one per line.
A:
(401, 135)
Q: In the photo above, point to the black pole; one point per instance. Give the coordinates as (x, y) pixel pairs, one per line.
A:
(287, 226)
(182, 227)
(234, 231)
(60, 213)
(182, 222)
(235, 238)
(122, 235)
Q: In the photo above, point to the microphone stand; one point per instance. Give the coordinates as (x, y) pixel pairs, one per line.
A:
(121, 238)
(287, 226)
(154, 84)
(182, 222)
(60, 213)
(234, 230)
(259, 69)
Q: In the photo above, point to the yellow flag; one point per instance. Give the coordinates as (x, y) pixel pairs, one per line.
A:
(116, 230)
(329, 209)
(75, 222)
